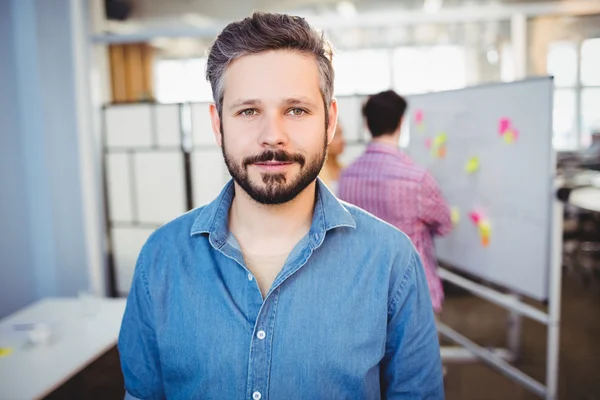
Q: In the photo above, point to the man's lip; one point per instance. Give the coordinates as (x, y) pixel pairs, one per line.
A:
(273, 163)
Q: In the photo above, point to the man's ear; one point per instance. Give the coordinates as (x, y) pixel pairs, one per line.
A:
(333, 117)
(215, 122)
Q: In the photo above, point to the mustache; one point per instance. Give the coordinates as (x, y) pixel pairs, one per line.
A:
(280, 156)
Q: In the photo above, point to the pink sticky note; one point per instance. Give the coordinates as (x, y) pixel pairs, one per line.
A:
(504, 125)
(419, 116)
(428, 143)
(475, 217)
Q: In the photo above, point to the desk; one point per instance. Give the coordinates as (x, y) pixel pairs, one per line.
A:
(80, 334)
(579, 178)
(587, 198)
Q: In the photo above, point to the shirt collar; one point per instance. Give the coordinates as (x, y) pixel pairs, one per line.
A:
(374, 147)
(329, 213)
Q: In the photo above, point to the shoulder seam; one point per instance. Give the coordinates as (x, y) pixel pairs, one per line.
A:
(405, 280)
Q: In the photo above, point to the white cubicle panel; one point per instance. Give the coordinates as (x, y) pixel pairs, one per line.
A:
(159, 186)
(119, 186)
(202, 133)
(168, 127)
(127, 243)
(128, 126)
(209, 175)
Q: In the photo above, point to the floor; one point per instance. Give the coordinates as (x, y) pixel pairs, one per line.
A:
(483, 323)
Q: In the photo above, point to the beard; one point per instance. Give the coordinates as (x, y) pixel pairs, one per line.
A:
(275, 188)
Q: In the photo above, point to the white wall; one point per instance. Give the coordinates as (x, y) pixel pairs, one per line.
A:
(17, 276)
(47, 177)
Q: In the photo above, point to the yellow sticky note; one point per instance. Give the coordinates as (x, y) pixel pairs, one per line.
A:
(509, 137)
(485, 228)
(455, 215)
(472, 165)
(5, 351)
(440, 139)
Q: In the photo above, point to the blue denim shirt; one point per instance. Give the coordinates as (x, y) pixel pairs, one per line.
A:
(348, 317)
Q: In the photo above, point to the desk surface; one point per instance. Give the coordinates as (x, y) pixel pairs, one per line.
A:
(81, 332)
(587, 198)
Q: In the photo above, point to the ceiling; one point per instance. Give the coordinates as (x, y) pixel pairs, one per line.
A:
(226, 10)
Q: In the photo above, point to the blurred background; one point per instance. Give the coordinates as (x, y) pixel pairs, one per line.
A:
(104, 136)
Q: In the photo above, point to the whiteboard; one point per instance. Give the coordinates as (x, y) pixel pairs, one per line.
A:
(507, 130)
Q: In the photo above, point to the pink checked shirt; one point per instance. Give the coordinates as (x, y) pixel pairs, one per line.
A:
(385, 182)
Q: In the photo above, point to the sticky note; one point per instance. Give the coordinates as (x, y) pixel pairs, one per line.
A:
(440, 139)
(455, 215)
(508, 132)
(442, 152)
(504, 125)
(484, 228)
(510, 136)
(5, 351)
(472, 165)
(485, 241)
(419, 116)
(475, 217)
(428, 143)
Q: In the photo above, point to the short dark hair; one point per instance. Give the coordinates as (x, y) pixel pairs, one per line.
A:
(262, 32)
(383, 112)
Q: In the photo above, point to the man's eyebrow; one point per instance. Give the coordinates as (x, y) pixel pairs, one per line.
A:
(295, 101)
(244, 102)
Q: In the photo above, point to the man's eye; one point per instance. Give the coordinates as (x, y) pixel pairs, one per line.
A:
(297, 112)
(249, 112)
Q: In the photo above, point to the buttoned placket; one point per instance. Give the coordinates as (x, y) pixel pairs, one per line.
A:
(261, 345)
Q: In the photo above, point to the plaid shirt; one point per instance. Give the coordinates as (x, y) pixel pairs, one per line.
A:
(385, 182)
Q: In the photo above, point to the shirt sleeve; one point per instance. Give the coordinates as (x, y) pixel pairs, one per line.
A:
(433, 210)
(137, 344)
(411, 368)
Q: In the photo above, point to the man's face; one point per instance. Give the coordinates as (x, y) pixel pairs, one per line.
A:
(272, 129)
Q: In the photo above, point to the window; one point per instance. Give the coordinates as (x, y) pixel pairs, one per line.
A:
(576, 70)
(427, 69)
(565, 119)
(361, 71)
(590, 62)
(590, 114)
(180, 81)
(562, 63)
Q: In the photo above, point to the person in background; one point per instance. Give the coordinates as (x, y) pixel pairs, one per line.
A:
(276, 289)
(388, 184)
(330, 174)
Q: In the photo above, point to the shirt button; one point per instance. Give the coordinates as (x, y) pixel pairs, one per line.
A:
(250, 277)
(256, 395)
(261, 335)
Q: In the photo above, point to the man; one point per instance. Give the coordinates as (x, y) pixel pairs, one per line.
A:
(385, 182)
(276, 290)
